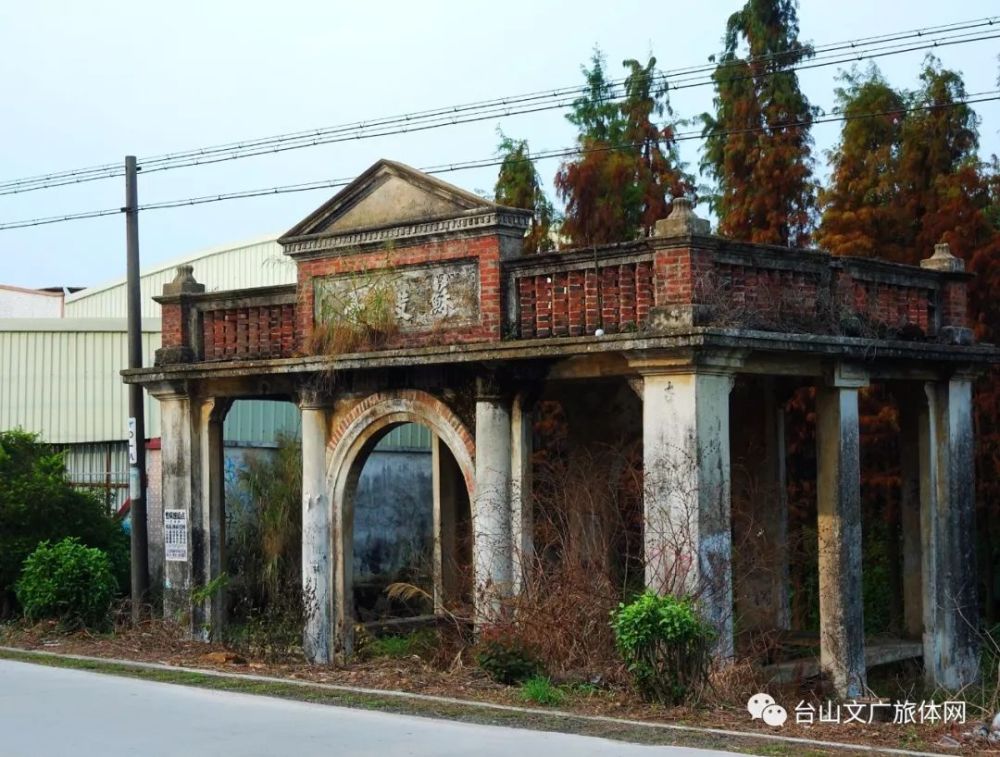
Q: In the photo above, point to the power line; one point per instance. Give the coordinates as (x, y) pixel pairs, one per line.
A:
(976, 97)
(827, 55)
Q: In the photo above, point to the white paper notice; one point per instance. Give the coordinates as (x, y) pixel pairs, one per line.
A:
(175, 535)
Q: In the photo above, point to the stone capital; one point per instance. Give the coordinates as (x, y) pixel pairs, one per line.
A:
(719, 362)
(845, 376)
(314, 399)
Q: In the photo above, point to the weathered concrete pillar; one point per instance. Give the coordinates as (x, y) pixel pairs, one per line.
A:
(686, 482)
(210, 614)
(491, 510)
(838, 485)
(760, 506)
(446, 480)
(317, 515)
(521, 495)
(951, 616)
(179, 460)
(912, 418)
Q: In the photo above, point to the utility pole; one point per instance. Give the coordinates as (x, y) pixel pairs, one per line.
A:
(137, 418)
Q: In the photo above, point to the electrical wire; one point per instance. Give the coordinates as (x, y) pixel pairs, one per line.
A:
(976, 97)
(859, 49)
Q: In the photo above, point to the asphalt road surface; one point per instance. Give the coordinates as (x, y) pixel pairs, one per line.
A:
(53, 712)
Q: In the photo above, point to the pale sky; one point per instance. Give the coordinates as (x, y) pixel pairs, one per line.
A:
(86, 83)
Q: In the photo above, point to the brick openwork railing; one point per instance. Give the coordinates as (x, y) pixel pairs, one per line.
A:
(653, 285)
(708, 281)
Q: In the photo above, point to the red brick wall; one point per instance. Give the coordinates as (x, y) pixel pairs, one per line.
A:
(486, 249)
(174, 325)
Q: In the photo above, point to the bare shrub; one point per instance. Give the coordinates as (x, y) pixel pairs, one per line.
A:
(362, 317)
(587, 548)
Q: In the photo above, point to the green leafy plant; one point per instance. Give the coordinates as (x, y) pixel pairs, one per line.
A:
(541, 690)
(38, 503)
(665, 646)
(507, 662)
(67, 582)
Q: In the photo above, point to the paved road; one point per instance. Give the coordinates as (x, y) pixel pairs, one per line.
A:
(52, 712)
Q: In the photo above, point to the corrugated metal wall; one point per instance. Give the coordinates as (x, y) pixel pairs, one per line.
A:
(253, 264)
(65, 385)
(263, 421)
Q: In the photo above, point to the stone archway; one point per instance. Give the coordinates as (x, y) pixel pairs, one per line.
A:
(354, 436)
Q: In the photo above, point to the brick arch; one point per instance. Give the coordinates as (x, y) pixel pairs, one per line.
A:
(363, 423)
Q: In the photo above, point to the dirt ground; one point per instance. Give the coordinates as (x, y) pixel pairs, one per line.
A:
(161, 642)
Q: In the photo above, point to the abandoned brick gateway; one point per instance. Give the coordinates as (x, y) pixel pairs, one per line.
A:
(479, 331)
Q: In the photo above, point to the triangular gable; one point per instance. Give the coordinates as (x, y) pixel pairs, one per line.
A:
(388, 194)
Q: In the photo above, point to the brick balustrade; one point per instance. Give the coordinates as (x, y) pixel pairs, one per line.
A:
(657, 284)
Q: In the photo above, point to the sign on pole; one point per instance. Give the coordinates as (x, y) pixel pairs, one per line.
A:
(175, 535)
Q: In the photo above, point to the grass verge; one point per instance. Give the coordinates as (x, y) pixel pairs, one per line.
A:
(462, 711)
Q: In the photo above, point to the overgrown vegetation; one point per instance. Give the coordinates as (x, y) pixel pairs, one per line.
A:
(665, 645)
(67, 582)
(263, 552)
(360, 315)
(37, 504)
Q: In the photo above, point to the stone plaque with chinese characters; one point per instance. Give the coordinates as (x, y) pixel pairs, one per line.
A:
(422, 297)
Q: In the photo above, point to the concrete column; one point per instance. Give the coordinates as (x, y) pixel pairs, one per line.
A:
(521, 496)
(210, 614)
(951, 648)
(317, 515)
(686, 471)
(447, 480)
(838, 485)
(178, 460)
(491, 510)
(912, 417)
(760, 550)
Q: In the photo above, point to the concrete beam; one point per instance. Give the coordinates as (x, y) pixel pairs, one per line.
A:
(841, 607)
(686, 494)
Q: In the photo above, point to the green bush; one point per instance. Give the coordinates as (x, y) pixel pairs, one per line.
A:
(507, 663)
(37, 503)
(67, 582)
(665, 645)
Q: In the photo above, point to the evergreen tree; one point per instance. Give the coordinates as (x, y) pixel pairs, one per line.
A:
(519, 186)
(758, 147)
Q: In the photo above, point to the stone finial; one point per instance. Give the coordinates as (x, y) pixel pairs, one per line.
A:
(681, 221)
(942, 259)
(183, 282)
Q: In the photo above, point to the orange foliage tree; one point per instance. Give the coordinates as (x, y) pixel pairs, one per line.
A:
(758, 148)
(628, 170)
